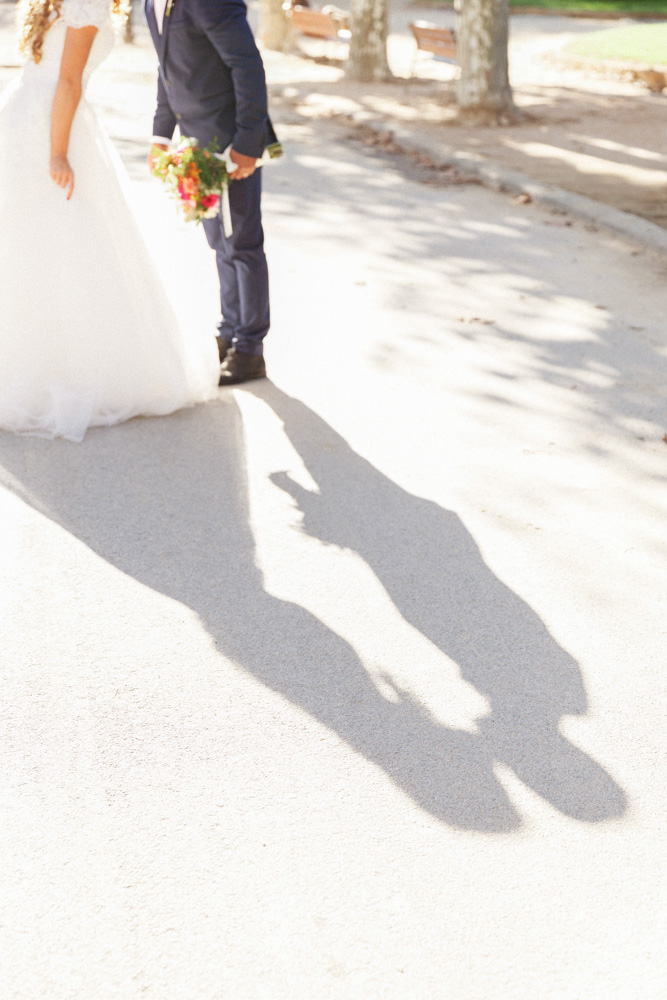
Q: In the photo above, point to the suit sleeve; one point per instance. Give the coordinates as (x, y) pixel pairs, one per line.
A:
(225, 24)
(164, 121)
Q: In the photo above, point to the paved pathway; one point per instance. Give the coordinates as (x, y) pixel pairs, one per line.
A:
(351, 684)
(596, 136)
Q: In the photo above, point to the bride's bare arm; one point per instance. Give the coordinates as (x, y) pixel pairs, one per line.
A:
(78, 43)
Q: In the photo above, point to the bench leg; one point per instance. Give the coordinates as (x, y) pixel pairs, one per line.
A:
(412, 67)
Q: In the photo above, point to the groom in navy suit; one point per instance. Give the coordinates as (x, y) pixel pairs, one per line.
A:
(211, 84)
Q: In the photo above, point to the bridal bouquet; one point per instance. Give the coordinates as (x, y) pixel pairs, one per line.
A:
(196, 176)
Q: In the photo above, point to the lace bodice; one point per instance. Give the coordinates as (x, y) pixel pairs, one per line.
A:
(75, 14)
(81, 13)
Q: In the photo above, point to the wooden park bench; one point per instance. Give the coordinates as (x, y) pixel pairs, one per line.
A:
(440, 42)
(328, 24)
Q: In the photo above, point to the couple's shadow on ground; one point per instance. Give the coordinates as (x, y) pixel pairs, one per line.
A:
(166, 502)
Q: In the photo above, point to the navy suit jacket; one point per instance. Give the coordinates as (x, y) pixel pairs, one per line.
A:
(211, 81)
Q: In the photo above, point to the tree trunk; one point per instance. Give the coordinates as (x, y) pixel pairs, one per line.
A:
(273, 24)
(128, 30)
(367, 61)
(484, 92)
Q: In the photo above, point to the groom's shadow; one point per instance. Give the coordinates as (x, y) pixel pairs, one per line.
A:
(166, 502)
(436, 577)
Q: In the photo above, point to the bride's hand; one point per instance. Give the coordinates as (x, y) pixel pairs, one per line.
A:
(62, 174)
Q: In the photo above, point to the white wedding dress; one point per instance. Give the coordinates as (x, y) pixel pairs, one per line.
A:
(87, 334)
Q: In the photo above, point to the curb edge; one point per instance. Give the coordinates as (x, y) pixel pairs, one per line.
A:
(625, 224)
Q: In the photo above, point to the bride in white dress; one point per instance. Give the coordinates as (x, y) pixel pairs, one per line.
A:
(87, 335)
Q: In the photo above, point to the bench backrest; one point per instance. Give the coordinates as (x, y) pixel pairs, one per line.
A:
(429, 38)
(313, 23)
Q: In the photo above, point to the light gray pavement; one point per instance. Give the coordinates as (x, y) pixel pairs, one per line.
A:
(350, 685)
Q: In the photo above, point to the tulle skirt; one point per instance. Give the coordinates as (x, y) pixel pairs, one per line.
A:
(87, 334)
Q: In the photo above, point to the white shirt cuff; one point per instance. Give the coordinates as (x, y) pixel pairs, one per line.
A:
(160, 140)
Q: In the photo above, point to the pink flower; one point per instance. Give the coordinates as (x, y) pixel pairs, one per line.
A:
(184, 194)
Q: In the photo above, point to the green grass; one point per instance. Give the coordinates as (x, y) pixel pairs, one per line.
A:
(629, 7)
(645, 43)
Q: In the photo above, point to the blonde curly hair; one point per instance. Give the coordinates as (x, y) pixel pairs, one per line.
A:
(35, 17)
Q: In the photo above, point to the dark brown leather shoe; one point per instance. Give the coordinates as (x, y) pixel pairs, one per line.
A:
(224, 346)
(239, 367)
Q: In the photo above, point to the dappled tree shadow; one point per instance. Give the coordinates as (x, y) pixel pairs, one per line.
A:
(613, 356)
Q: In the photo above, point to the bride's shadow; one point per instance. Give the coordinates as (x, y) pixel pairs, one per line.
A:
(166, 502)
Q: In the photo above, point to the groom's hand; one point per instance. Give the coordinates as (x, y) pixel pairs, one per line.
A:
(156, 148)
(245, 165)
